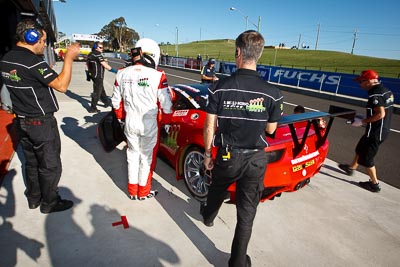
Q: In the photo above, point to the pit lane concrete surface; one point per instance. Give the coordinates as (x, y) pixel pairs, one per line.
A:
(330, 222)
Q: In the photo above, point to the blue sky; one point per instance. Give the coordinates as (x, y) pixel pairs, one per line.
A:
(375, 24)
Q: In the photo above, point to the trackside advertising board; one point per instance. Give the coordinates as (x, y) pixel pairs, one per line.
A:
(331, 82)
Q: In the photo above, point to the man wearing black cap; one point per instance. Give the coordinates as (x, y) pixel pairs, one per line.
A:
(379, 113)
(208, 72)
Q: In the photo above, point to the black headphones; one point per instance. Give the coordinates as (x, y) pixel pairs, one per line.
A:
(237, 52)
(31, 36)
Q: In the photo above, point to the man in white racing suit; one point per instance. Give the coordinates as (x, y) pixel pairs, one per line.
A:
(140, 92)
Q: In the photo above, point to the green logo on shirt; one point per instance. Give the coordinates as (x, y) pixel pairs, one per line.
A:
(144, 82)
(256, 105)
(14, 76)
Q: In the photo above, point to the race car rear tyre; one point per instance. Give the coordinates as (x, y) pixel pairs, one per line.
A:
(197, 179)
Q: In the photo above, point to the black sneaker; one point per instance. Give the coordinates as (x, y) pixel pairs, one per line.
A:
(202, 207)
(248, 261)
(93, 110)
(152, 193)
(61, 205)
(370, 186)
(346, 169)
(33, 205)
(107, 104)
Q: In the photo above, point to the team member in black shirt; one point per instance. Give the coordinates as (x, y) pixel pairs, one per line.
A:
(207, 73)
(379, 114)
(31, 81)
(245, 107)
(96, 64)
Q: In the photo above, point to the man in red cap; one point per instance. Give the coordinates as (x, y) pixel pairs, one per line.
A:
(379, 112)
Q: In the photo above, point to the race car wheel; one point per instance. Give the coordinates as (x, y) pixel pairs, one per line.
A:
(197, 179)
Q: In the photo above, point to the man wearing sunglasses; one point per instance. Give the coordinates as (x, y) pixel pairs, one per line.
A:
(379, 113)
(96, 63)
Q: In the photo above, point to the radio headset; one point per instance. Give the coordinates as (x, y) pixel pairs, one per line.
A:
(31, 36)
(237, 52)
(95, 46)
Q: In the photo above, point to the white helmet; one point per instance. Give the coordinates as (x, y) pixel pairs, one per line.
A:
(150, 49)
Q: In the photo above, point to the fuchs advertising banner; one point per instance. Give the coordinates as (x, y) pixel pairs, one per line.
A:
(327, 82)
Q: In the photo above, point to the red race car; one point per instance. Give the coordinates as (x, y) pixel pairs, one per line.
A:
(296, 152)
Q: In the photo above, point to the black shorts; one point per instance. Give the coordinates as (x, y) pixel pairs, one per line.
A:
(366, 149)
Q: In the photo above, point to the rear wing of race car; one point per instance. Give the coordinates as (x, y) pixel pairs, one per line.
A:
(312, 118)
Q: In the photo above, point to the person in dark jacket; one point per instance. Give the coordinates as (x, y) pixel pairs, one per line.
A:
(208, 72)
(96, 64)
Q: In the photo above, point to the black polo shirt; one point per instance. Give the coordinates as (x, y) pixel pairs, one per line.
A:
(379, 96)
(244, 103)
(208, 71)
(27, 76)
(96, 70)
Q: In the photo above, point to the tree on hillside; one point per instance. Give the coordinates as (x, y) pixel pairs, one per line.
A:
(118, 35)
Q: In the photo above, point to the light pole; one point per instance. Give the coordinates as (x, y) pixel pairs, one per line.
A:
(177, 43)
(247, 18)
(176, 33)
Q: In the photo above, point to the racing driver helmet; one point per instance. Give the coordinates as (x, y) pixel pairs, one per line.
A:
(151, 51)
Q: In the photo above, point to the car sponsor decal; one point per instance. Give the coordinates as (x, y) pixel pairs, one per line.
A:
(172, 136)
(180, 113)
(305, 157)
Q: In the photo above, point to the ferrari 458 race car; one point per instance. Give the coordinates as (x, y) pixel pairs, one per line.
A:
(296, 152)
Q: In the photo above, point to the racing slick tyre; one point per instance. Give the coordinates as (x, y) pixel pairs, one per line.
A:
(197, 179)
(110, 132)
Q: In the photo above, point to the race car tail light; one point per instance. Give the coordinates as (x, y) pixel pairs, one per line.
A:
(275, 155)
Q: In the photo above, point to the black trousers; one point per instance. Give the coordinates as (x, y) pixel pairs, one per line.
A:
(98, 93)
(41, 145)
(247, 170)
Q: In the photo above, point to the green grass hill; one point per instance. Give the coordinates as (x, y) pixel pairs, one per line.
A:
(223, 50)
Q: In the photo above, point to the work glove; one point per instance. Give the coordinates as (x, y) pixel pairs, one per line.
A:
(357, 122)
